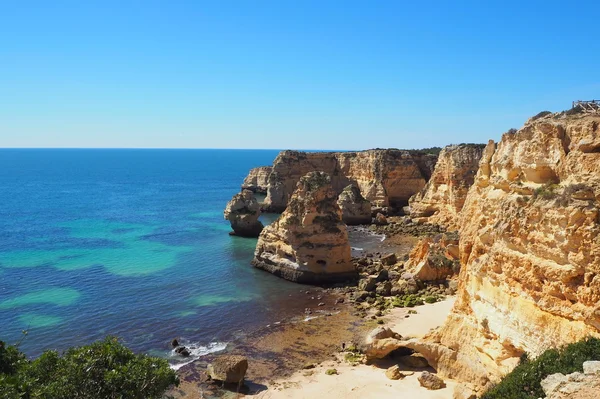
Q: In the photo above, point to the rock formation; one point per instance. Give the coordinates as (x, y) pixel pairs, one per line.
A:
(435, 258)
(442, 198)
(355, 209)
(228, 369)
(308, 243)
(384, 177)
(576, 385)
(529, 250)
(257, 179)
(242, 212)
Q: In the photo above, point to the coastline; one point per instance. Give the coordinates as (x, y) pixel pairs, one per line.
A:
(361, 380)
(296, 350)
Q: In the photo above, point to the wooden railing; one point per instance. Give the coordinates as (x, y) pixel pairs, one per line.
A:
(587, 106)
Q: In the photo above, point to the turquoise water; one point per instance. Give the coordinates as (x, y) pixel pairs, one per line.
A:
(130, 243)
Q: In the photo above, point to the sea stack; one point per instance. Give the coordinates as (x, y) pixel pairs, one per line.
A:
(355, 208)
(308, 243)
(242, 212)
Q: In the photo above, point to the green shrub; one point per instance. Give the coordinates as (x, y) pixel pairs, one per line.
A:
(524, 381)
(430, 299)
(331, 372)
(104, 369)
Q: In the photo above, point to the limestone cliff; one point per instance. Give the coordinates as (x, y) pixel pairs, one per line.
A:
(443, 196)
(384, 177)
(243, 212)
(529, 250)
(355, 208)
(257, 179)
(308, 243)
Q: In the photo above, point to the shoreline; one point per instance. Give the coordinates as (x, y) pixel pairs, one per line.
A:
(280, 352)
(362, 380)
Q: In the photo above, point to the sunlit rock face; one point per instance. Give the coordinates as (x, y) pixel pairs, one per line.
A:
(444, 195)
(384, 177)
(308, 243)
(257, 179)
(243, 212)
(529, 251)
(355, 208)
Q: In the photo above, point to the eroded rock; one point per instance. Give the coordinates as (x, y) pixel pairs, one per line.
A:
(308, 243)
(355, 208)
(243, 212)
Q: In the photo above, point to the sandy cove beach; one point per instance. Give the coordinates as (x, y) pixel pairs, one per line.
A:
(368, 381)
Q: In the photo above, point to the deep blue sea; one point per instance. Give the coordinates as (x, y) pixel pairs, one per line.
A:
(130, 243)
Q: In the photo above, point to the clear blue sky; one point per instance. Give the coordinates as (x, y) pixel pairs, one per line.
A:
(288, 74)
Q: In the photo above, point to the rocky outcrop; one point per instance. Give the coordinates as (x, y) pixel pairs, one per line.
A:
(442, 198)
(355, 208)
(228, 369)
(435, 258)
(384, 177)
(243, 212)
(257, 179)
(308, 243)
(576, 385)
(529, 250)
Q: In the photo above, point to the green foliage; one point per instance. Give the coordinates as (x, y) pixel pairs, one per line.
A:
(430, 299)
(331, 372)
(547, 191)
(524, 381)
(104, 369)
(352, 357)
(541, 115)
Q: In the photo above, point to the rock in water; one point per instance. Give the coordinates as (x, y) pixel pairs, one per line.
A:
(242, 212)
(228, 368)
(308, 243)
(431, 381)
(355, 209)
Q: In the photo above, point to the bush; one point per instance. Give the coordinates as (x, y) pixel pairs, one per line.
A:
(541, 115)
(104, 369)
(524, 381)
(331, 372)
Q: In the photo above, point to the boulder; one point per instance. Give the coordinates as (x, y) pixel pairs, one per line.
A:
(368, 283)
(355, 209)
(308, 243)
(380, 220)
(415, 361)
(431, 381)
(228, 368)
(243, 212)
(389, 259)
(384, 289)
(394, 373)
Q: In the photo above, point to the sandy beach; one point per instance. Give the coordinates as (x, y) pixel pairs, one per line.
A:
(368, 381)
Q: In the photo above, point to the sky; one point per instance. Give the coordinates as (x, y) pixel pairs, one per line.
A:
(303, 74)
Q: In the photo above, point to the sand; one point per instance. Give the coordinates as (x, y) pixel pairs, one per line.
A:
(362, 381)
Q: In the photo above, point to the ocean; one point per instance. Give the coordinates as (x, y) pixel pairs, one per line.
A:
(130, 243)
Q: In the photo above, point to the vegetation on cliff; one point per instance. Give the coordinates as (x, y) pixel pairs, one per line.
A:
(524, 382)
(104, 369)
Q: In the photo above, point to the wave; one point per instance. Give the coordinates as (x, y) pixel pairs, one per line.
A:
(196, 352)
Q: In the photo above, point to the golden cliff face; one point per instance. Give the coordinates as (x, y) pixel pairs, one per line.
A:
(384, 177)
(443, 197)
(257, 179)
(308, 243)
(529, 250)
